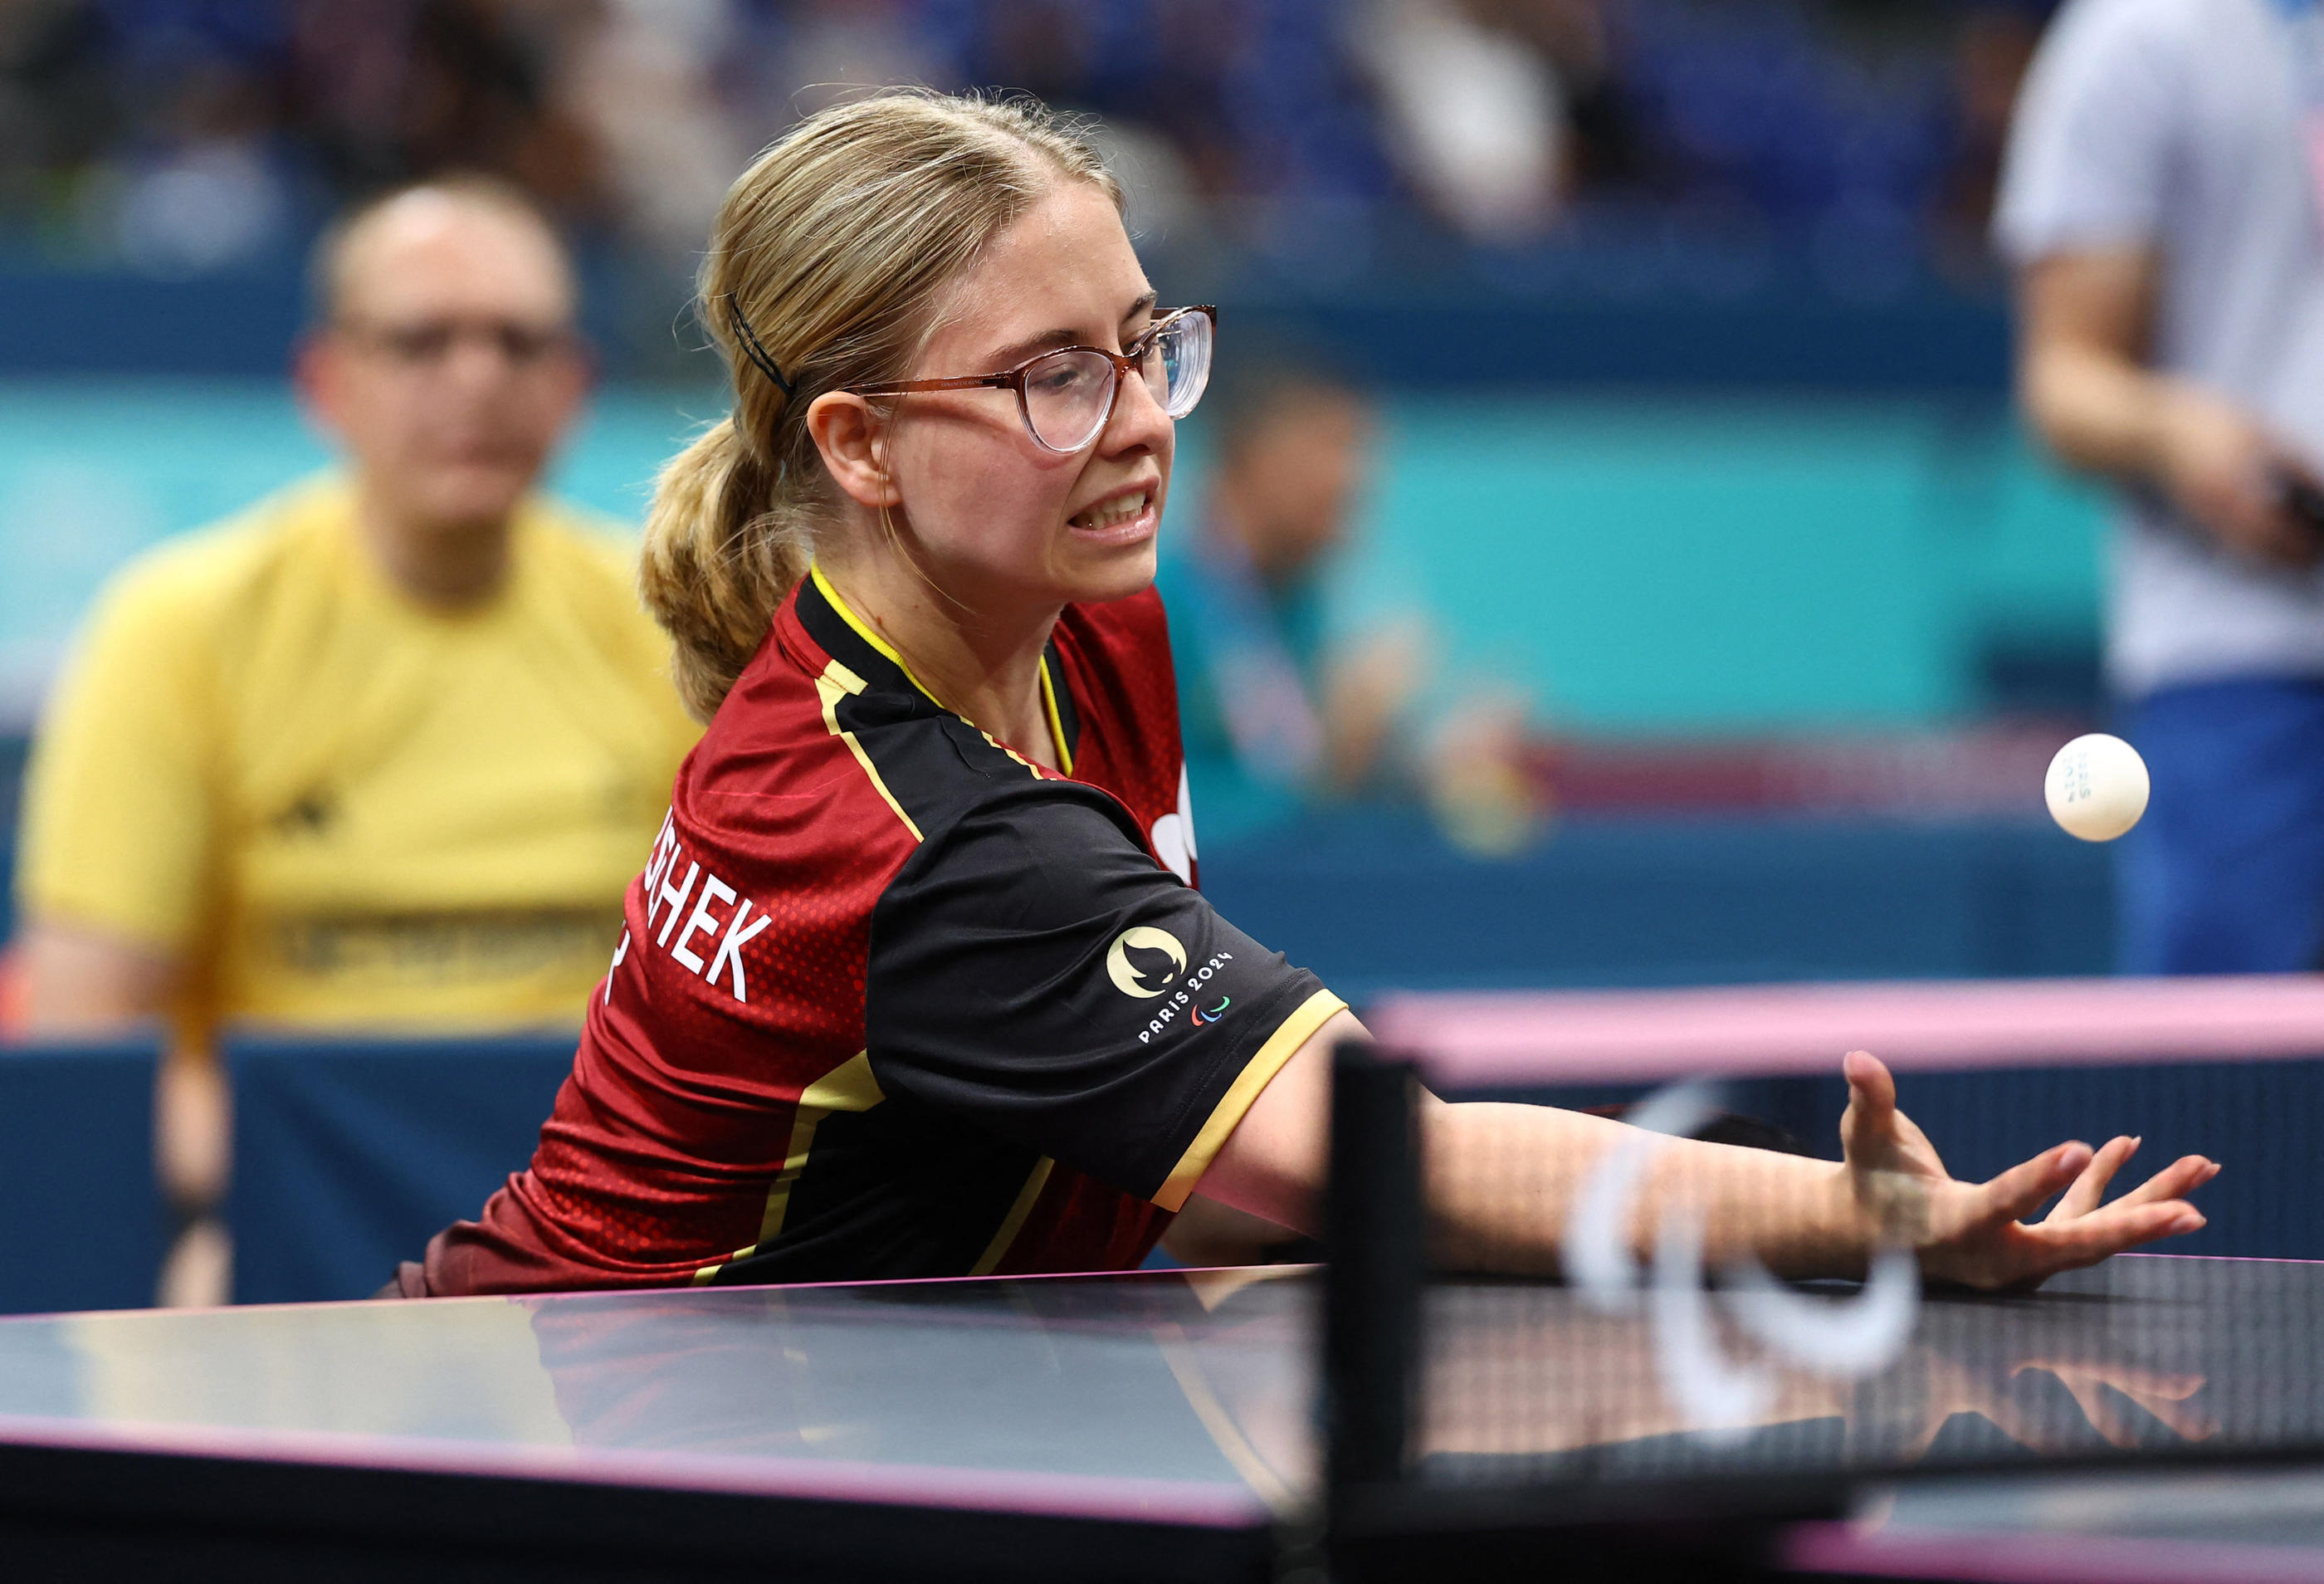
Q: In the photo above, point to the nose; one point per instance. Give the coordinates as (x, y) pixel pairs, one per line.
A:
(1136, 422)
(474, 361)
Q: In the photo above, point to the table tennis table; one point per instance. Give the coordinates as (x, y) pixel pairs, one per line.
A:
(2157, 1417)
(2152, 1417)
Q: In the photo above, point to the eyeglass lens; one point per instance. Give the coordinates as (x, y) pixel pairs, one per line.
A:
(1069, 395)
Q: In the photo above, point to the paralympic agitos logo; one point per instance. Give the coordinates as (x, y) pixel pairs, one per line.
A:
(1147, 962)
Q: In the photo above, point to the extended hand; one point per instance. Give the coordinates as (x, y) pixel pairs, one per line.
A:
(2221, 468)
(1972, 1233)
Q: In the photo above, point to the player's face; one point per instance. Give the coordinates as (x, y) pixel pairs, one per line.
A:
(999, 518)
(451, 369)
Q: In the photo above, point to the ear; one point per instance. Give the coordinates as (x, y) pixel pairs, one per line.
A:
(315, 370)
(853, 440)
(576, 382)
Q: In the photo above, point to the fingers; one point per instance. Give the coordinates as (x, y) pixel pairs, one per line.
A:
(2096, 1407)
(2296, 517)
(2089, 1190)
(2290, 467)
(2164, 1395)
(1868, 1121)
(1868, 1080)
(1990, 1245)
(2176, 1181)
(2190, 1421)
(2062, 1246)
(2292, 545)
(2036, 1432)
(2019, 1191)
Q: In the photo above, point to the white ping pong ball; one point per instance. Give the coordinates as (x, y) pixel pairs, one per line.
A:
(2097, 787)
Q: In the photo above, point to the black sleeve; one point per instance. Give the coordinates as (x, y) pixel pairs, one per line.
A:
(1035, 973)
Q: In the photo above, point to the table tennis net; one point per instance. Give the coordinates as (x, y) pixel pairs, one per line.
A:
(1661, 1350)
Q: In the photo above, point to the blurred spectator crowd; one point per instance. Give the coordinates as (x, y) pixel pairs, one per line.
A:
(177, 137)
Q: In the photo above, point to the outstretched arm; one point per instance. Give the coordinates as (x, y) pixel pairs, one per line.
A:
(1502, 1180)
(2083, 376)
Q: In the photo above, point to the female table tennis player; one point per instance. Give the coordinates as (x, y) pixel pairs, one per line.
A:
(915, 982)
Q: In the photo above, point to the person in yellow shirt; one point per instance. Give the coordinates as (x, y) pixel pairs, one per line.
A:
(383, 752)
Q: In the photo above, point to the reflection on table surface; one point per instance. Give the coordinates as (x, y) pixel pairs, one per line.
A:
(1190, 1376)
(2242, 1506)
(2158, 1355)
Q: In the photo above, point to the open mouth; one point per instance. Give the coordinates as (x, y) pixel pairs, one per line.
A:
(1114, 512)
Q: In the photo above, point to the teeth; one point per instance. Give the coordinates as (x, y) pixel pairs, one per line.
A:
(1113, 512)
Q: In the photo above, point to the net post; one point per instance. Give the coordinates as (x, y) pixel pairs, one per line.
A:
(1374, 1276)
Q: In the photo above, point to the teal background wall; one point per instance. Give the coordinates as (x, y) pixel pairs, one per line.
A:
(1645, 563)
(1669, 564)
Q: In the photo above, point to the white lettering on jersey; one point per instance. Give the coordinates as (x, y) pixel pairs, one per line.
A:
(700, 920)
(665, 845)
(730, 950)
(740, 928)
(620, 952)
(677, 900)
(1183, 999)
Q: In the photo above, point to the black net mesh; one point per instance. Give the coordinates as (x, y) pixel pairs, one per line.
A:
(1676, 1361)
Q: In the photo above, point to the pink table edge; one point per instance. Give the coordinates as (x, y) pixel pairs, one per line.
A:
(1519, 1036)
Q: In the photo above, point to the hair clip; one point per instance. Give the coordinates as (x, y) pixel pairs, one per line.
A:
(756, 354)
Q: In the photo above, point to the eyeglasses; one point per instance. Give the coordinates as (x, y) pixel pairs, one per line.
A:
(428, 343)
(1067, 396)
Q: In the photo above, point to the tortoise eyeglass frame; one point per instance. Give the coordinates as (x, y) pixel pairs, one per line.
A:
(1124, 364)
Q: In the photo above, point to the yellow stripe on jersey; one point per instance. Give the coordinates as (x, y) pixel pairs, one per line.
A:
(863, 631)
(838, 682)
(849, 1087)
(1257, 1073)
(1056, 721)
(1014, 1221)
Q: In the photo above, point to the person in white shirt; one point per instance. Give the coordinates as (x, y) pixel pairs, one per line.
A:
(2160, 203)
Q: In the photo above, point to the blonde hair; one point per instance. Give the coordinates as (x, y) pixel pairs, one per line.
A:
(834, 249)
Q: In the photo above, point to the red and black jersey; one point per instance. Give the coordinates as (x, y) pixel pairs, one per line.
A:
(893, 1001)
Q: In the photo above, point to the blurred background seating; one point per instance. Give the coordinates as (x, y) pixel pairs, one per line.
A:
(1685, 364)
(85, 1222)
(1748, 326)
(350, 1154)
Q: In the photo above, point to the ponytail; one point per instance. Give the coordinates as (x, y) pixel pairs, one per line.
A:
(717, 562)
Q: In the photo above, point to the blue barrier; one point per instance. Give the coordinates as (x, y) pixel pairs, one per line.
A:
(349, 1154)
(14, 751)
(2263, 1120)
(84, 1218)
